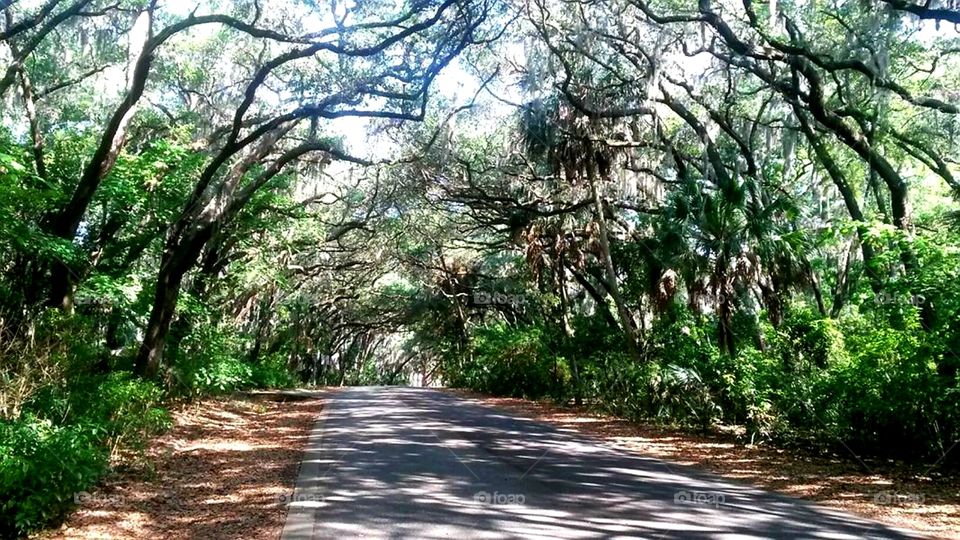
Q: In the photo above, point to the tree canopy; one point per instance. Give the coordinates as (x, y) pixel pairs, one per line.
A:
(703, 211)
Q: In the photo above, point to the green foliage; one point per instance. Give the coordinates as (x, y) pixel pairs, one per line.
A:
(42, 466)
(272, 372)
(220, 376)
(63, 441)
(212, 359)
(674, 387)
(856, 380)
(68, 414)
(619, 384)
(739, 245)
(808, 339)
(510, 361)
(23, 197)
(887, 397)
(208, 358)
(127, 410)
(54, 350)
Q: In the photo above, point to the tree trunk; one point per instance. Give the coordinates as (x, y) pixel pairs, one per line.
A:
(849, 200)
(62, 286)
(602, 306)
(568, 331)
(148, 361)
(178, 258)
(263, 321)
(625, 318)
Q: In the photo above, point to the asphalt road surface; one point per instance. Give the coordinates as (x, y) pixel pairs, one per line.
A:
(396, 463)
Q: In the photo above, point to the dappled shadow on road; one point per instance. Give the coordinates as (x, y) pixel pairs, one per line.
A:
(914, 496)
(412, 463)
(225, 471)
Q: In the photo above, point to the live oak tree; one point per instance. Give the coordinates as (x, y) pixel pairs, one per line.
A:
(748, 159)
(696, 210)
(374, 62)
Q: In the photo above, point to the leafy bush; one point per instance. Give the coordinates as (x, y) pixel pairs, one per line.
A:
(689, 380)
(806, 337)
(208, 359)
(71, 417)
(511, 361)
(886, 398)
(618, 384)
(42, 466)
(681, 395)
(876, 386)
(64, 440)
(222, 376)
(272, 372)
(127, 410)
(41, 356)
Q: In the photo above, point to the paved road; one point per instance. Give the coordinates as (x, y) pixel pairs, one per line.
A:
(396, 463)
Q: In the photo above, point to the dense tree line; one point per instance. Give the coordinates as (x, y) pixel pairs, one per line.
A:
(736, 212)
(179, 211)
(702, 212)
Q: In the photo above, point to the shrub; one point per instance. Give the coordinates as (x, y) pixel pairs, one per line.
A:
(618, 384)
(679, 394)
(222, 376)
(272, 372)
(64, 440)
(42, 466)
(886, 398)
(127, 410)
(40, 355)
(808, 338)
(208, 362)
(510, 361)
(691, 376)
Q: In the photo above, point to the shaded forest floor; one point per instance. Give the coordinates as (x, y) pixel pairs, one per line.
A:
(224, 471)
(906, 496)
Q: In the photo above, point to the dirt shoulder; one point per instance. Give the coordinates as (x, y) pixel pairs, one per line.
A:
(918, 498)
(224, 471)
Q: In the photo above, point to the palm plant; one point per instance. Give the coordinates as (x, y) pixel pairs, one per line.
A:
(570, 145)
